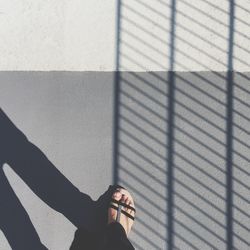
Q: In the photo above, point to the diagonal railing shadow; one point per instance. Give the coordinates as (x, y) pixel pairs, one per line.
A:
(181, 139)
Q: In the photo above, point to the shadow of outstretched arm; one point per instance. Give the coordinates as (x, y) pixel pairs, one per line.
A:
(49, 184)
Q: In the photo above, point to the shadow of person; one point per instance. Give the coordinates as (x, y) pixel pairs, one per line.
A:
(46, 181)
(14, 220)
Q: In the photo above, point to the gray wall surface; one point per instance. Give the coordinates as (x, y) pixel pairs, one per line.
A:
(69, 117)
(171, 150)
(82, 36)
(181, 128)
(183, 149)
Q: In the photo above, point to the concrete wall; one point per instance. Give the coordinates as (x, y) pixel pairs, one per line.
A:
(157, 126)
(57, 35)
(81, 35)
(175, 151)
(68, 116)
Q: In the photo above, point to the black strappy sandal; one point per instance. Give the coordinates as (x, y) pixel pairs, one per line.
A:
(120, 210)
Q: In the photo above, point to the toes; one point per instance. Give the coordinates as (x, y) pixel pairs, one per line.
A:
(123, 198)
(117, 195)
(127, 201)
(131, 205)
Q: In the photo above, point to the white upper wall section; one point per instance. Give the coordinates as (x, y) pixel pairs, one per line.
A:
(57, 34)
(80, 35)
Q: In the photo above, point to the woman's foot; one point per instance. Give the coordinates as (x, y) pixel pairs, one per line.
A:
(123, 196)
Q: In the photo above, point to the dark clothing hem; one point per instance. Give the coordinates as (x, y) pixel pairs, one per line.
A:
(112, 238)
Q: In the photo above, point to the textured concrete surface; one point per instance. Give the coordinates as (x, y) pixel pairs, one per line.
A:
(57, 35)
(185, 131)
(69, 117)
(81, 35)
(46, 106)
(69, 114)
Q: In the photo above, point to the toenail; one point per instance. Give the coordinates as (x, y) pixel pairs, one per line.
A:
(117, 195)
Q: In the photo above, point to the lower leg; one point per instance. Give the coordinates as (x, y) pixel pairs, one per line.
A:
(120, 221)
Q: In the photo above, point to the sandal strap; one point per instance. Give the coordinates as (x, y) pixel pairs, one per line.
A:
(123, 204)
(123, 212)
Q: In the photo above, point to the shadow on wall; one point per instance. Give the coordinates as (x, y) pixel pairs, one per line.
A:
(181, 139)
(47, 183)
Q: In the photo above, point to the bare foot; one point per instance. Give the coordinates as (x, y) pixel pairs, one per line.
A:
(122, 195)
